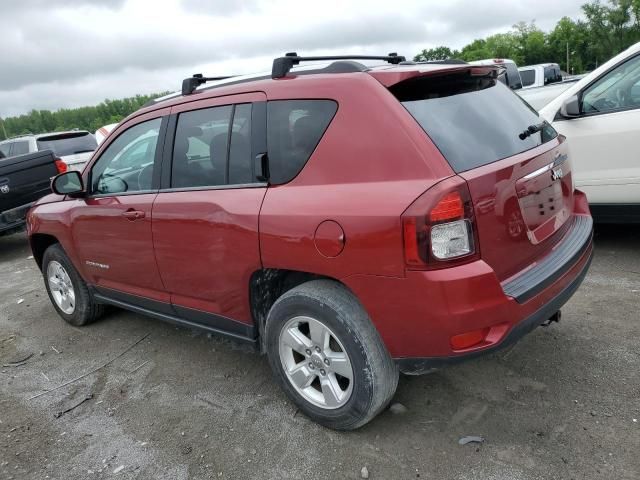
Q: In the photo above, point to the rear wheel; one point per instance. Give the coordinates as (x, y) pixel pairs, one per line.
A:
(327, 355)
(68, 292)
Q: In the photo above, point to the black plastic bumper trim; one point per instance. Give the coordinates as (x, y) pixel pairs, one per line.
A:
(556, 264)
(419, 366)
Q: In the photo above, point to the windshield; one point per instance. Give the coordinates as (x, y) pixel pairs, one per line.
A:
(68, 143)
(473, 120)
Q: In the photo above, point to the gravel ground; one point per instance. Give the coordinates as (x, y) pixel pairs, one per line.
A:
(564, 403)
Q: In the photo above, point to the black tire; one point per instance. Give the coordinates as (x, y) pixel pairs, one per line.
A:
(86, 310)
(375, 375)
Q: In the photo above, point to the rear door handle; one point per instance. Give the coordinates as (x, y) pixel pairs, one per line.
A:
(133, 214)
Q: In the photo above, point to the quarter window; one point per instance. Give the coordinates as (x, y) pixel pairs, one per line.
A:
(127, 164)
(211, 149)
(294, 128)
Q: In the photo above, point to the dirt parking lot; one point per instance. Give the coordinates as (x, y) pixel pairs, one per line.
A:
(564, 403)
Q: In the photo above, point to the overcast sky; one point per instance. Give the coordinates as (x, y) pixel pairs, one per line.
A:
(67, 53)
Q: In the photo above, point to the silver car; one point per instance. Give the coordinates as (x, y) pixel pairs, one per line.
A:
(74, 148)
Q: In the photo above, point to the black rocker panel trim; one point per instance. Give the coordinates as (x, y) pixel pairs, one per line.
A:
(176, 314)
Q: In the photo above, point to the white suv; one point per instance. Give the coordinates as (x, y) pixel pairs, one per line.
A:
(74, 148)
(600, 115)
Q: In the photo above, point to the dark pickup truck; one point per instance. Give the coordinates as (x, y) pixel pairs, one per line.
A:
(23, 180)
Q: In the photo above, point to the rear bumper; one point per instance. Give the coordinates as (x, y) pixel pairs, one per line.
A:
(418, 315)
(418, 366)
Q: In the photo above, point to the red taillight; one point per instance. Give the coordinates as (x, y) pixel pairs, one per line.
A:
(60, 165)
(450, 207)
(439, 227)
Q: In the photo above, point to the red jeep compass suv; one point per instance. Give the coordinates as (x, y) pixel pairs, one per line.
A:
(352, 222)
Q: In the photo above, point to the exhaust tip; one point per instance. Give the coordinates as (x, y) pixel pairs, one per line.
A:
(553, 318)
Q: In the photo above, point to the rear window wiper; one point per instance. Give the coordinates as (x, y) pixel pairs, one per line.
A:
(531, 129)
(83, 151)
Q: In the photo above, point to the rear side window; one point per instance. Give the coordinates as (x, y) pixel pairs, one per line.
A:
(294, 128)
(20, 148)
(212, 147)
(473, 120)
(68, 143)
(528, 77)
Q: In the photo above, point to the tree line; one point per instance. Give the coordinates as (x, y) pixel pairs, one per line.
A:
(83, 118)
(576, 45)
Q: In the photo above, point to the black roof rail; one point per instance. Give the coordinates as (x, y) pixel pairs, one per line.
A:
(282, 65)
(191, 83)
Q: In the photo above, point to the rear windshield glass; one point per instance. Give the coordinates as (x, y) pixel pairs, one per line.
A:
(473, 120)
(68, 144)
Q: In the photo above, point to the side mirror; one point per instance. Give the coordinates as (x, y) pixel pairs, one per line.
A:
(570, 107)
(67, 183)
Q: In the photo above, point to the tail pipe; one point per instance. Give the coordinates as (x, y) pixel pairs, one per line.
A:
(553, 318)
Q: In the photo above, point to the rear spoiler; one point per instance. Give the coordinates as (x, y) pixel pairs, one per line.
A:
(391, 77)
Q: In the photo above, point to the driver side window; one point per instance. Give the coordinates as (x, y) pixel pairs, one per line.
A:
(127, 164)
(617, 90)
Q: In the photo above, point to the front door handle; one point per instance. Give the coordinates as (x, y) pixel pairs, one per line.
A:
(133, 214)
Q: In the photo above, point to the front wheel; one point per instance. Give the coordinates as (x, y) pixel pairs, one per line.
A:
(328, 357)
(68, 292)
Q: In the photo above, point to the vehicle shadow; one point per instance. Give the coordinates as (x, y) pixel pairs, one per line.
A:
(618, 236)
(13, 245)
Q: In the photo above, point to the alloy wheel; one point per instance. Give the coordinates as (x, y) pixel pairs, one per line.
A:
(61, 287)
(315, 362)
